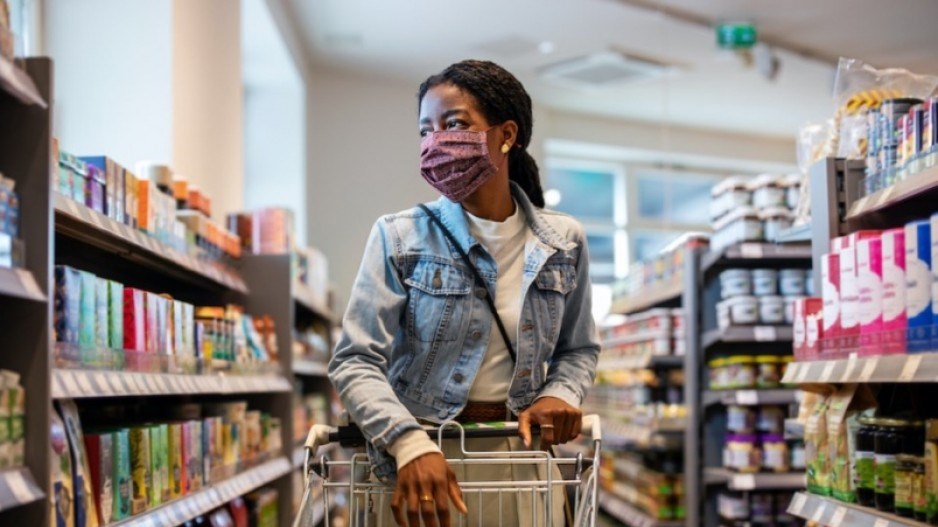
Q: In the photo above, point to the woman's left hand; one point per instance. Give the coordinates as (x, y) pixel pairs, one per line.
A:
(559, 421)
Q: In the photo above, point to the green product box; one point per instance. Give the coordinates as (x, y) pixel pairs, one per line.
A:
(123, 485)
(101, 340)
(164, 462)
(156, 466)
(140, 463)
(86, 316)
(116, 315)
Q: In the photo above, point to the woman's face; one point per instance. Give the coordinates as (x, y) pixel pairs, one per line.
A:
(448, 107)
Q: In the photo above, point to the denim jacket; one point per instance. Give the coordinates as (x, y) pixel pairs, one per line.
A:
(417, 326)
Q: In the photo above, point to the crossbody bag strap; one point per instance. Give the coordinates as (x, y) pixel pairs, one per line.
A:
(478, 278)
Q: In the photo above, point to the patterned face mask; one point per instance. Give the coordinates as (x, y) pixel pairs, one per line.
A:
(456, 162)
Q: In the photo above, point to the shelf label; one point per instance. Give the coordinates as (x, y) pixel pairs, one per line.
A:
(797, 504)
(747, 397)
(791, 373)
(828, 371)
(764, 334)
(819, 513)
(868, 368)
(803, 373)
(838, 517)
(750, 250)
(18, 487)
(84, 384)
(135, 385)
(910, 368)
(68, 379)
(881, 522)
(744, 482)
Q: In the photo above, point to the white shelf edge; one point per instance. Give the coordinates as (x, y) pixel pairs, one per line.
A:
(77, 384)
(828, 511)
(18, 488)
(901, 368)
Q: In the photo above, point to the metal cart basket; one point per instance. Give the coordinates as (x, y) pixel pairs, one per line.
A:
(571, 479)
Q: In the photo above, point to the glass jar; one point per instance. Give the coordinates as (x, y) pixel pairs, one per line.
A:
(741, 371)
(864, 464)
(762, 507)
(741, 419)
(768, 372)
(891, 436)
(919, 497)
(742, 453)
(775, 453)
(719, 374)
(771, 420)
(798, 458)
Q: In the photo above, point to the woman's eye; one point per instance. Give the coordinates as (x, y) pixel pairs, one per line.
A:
(424, 132)
(455, 124)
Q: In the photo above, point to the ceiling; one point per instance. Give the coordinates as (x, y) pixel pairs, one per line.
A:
(410, 39)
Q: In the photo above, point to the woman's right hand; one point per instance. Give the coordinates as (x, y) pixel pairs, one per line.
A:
(425, 487)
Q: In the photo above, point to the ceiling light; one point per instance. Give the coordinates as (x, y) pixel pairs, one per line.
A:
(546, 47)
(604, 69)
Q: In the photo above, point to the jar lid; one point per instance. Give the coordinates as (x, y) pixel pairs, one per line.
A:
(717, 363)
(773, 438)
(729, 184)
(768, 359)
(740, 438)
(775, 213)
(741, 359)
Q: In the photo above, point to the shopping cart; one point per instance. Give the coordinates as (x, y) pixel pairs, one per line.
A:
(571, 479)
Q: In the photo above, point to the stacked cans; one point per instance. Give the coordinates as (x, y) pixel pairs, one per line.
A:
(903, 140)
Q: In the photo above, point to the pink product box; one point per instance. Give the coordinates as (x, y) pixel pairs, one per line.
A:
(830, 294)
(807, 328)
(893, 335)
(846, 247)
(870, 281)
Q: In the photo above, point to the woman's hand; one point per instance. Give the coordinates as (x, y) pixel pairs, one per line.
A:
(559, 421)
(425, 487)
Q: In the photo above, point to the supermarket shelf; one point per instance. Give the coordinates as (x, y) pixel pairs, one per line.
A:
(750, 255)
(311, 368)
(629, 515)
(751, 397)
(918, 367)
(640, 362)
(19, 283)
(655, 296)
(645, 434)
(921, 185)
(828, 511)
(796, 234)
(76, 384)
(81, 223)
(216, 495)
(638, 337)
(734, 334)
(305, 298)
(17, 487)
(758, 481)
(17, 83)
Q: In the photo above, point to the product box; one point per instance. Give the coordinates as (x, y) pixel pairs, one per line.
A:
(94, 189)
(176, 467)
(141, 469)
(135, 335)
(918, 282)
(145, 206)
(870, 280)
(192, 440)
(67, 304)
(113, 189)
(62, 506)
(894, 304)
(79, 180)
(100, 451)
(806, 343)
(830, 293)
(179, 328)
(123, 483)
(934, 258)
(155, 495)
(151, 320)
(846, 247)
(102, 311)
(6, 454)
(16, 417)
(87, 317)
(85, 512)
(262, 507)
(165, 315)
(163, 430)
(131, 207)
(115, 317)
(63, 183)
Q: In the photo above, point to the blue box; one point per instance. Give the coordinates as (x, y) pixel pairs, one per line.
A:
(918, 282)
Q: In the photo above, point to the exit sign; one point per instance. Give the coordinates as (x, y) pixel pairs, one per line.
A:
(738, 35)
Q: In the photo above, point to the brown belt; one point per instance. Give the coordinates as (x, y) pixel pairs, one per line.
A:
(485, 413)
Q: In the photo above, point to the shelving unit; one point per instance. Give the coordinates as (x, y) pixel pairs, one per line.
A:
(18, 487)
(757, 255)
(667, 294)
(912, 368)
(747, 335)
(757, 481)
(751, 397)
(827, 511)
(629, 515)
(19, 85)
(79, 384)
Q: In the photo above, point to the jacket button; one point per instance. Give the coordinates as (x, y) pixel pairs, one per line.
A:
(476, 335)
(443, 414)
(458, 378)
(524, 373)
(480, 292)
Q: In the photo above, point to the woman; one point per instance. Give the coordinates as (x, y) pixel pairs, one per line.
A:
(420, 342)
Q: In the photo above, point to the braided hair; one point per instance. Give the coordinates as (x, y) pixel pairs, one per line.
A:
(500, 97)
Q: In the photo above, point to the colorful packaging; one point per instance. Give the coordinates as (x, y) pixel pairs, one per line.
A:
(123, 483)
(62, 510)
(870, 280)
(6, 454)
(135, 335)
(845, 406)
(830, 292)
(179, 328)
(177, 467)
(102, 318)
(156, 465)
(164, 461)
(846, 247)
(262, 508)
(894, 304)
(67, 304)
(817, 449)
(94, 194)
(140, 465)
(131, 207)
(115, 318)
(194, 454)
(145, 206)
(85, 512)
(87, 317)
(807, 328)
(79, 180)
(113, 187)
(918, 282)
(152, 321)
(934, 274)
(100, 451)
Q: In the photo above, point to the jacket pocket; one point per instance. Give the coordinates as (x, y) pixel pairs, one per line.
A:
(558, 278)
(438, 296)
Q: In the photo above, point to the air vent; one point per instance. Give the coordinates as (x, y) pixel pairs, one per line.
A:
(602, 70)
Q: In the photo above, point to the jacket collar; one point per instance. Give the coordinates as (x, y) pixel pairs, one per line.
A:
(452, 215)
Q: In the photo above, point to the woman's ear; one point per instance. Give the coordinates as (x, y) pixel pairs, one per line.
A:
(509, 134)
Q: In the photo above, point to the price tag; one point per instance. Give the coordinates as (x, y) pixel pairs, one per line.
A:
(18, 487)
(791, 373)
(104, 387)
(828, 371)
(29, 283)
(797, 504)
(910, 368)
(848, 371)
(838, 517)
(764, 334)
(881, 522)
(803, 373)
(84, 384)
(747, 397)
(867, 372)
(68, 382)
(744, 482)
(819, 513)
(750, 250)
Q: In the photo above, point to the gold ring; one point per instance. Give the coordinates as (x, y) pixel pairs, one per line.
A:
(426, 499)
